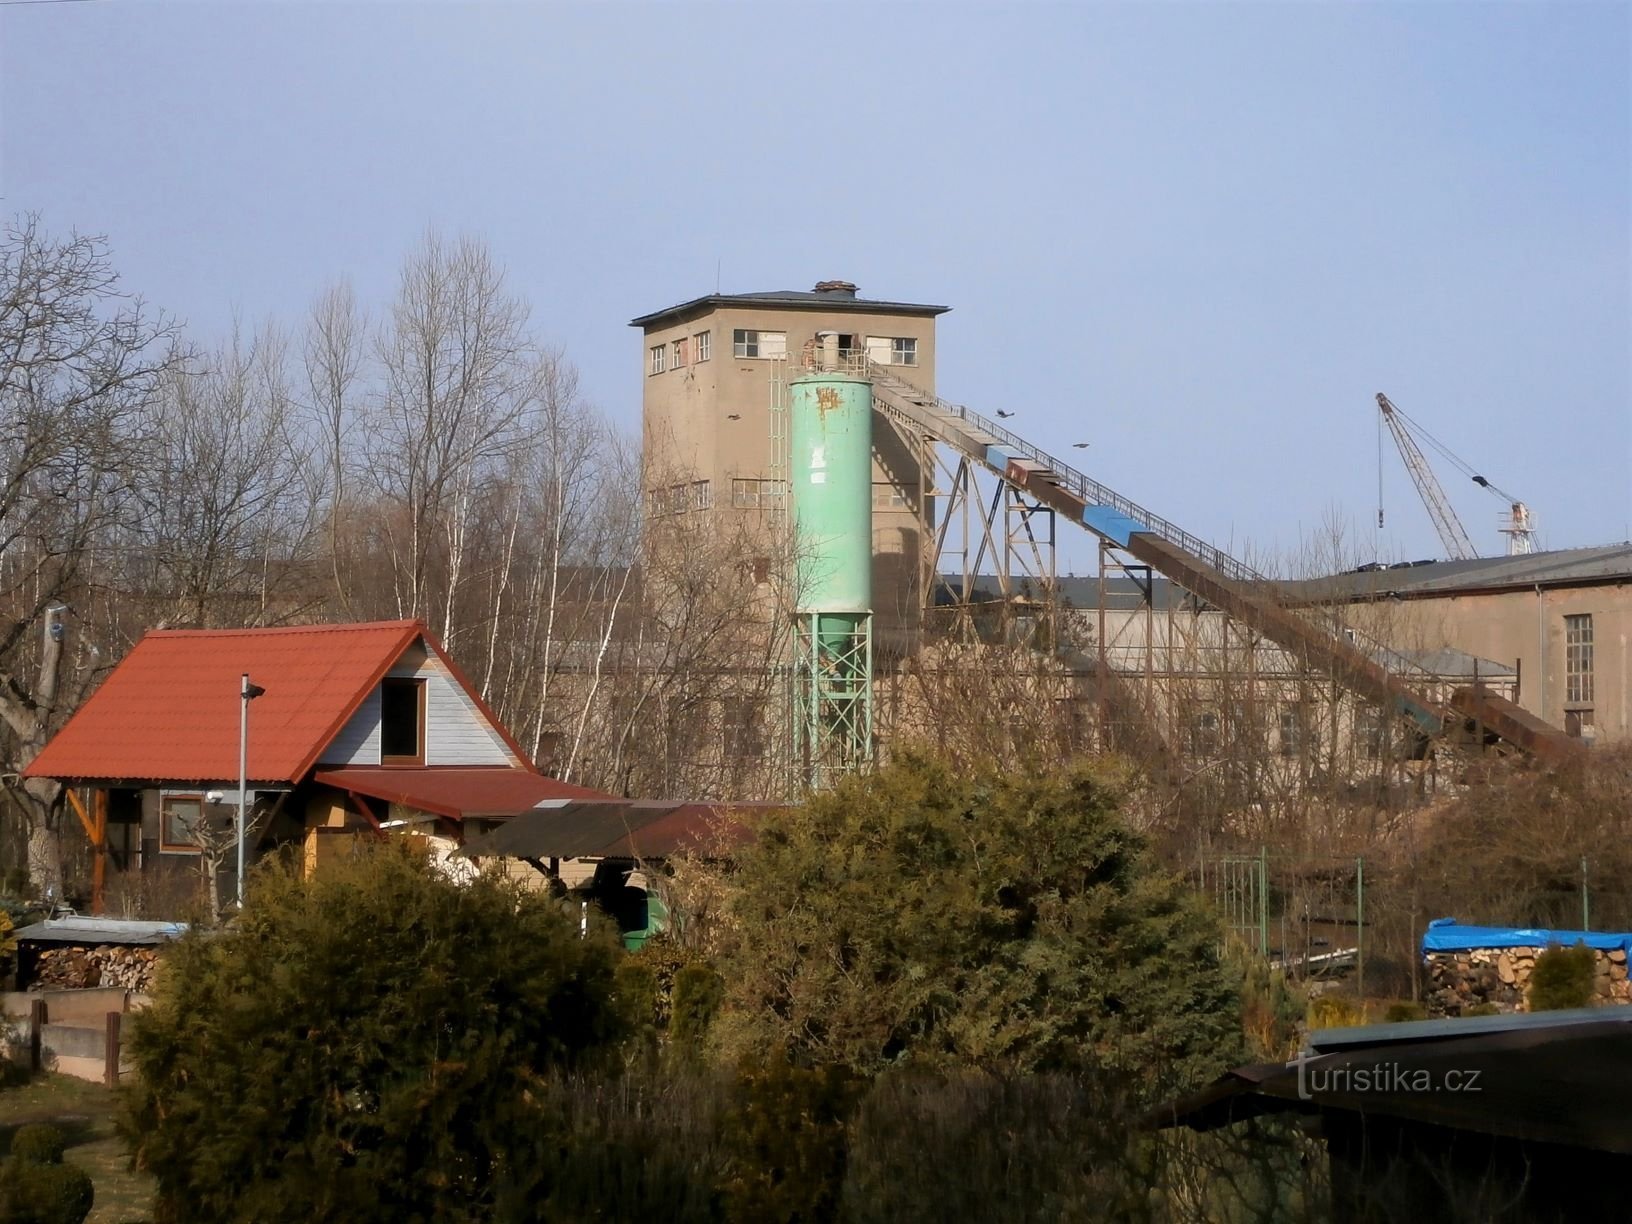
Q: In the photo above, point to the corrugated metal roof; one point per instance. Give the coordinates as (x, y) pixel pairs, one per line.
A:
(1562, 567)
(790, 297)
(458, 792)
(84, 929)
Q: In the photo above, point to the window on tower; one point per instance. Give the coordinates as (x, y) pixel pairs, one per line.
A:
(749, 343)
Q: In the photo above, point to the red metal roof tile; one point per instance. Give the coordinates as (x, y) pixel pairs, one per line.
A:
(456, 791)
(169, 710)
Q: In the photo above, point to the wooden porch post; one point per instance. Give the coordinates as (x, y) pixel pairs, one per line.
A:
(96, 828)
(99, 848)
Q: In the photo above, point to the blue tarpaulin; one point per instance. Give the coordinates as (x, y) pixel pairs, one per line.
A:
(1449, 935)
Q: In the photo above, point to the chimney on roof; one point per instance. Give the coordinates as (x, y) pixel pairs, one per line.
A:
(836, 288)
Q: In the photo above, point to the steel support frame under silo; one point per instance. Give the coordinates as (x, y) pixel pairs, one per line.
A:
(833, 699)
(966, 527)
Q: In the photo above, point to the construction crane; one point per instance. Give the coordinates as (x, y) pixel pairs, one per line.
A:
(1518, 526)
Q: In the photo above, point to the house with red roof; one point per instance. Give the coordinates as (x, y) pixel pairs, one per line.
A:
(355, 728)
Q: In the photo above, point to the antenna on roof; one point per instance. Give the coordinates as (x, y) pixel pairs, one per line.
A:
(716, 274)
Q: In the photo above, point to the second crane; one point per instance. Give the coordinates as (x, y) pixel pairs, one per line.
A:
(1518, 526)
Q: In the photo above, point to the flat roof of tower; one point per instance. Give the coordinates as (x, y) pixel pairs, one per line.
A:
(791, 299)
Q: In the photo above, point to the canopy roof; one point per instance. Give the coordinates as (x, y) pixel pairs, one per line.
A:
(458, 792)
(611, 829)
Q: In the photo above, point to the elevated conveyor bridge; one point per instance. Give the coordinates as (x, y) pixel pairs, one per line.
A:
(1369, 669)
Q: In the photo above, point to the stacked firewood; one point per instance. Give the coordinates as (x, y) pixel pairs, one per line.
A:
(75, 967)
(1500, 977)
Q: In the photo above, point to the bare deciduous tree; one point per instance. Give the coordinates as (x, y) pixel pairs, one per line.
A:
(80, 367)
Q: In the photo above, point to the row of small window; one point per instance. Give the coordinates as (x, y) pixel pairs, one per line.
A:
(1297, 731)
(677, 354)
(679, 498)
(749, 344)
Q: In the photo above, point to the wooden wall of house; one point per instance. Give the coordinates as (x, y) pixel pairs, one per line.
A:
(456, 732)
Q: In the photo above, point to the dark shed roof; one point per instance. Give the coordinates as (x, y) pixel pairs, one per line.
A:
(599, 829)
(1549, 1077)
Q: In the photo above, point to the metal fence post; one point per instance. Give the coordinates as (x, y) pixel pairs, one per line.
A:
(1263, 901)
(1360, 929)
(36, 1033)
(110, 1051)
(1586, 913)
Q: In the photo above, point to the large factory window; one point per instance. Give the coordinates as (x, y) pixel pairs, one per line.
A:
(743, 735)
(1578, 659)
(701, 496)
(657, 358)
(748, 343)
(680, 353)
(704, 346)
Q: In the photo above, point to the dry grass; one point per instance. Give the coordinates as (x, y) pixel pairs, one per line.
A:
(84, 1112)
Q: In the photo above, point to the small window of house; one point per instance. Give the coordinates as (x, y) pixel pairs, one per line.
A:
(680, 352)
(657, 358)
(701, 495)
(904, 351)
(704, 345)
(744, 492)
(402, 721)
(179, 820)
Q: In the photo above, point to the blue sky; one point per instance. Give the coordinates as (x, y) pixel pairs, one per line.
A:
(1199, 236)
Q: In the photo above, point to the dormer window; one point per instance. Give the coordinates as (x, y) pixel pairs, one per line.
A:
(402, 721)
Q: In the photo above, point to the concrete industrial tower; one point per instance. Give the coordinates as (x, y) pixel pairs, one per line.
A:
(717, 370)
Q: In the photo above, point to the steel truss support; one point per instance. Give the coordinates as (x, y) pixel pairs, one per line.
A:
(968, 523)
(833, 696)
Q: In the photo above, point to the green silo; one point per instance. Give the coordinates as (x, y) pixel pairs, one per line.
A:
(831, 440)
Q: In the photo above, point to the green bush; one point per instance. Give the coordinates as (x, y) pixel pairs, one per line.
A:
(635, 987)
(1002, 917)
(1335, 1011)
(975, 1146)
(1482, 1009)
(1403, 1012)
(785, 1130)
(1563, 978)
(698, 991)
(364, 1046)
(39, 1143)
(645, 1145)
(44, 1193)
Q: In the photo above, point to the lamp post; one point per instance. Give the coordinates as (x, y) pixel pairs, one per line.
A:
(247, 693)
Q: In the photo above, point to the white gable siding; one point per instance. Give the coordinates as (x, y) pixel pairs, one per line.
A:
(359, 740)
(456, 733)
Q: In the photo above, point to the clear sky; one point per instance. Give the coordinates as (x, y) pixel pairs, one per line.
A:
(1200, 237)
